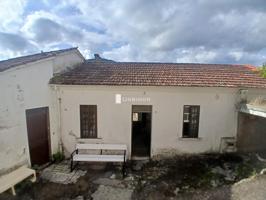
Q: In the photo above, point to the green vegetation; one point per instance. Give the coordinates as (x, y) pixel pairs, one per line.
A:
(262, 70)
(245, 171)
(58, 157)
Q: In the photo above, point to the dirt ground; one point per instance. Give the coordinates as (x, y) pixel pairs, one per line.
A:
(208, 176)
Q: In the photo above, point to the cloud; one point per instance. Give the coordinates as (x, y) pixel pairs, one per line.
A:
(11, 14)
(49, 30)
(167, 29)
(13, 42)
(170, 31)
(14, 45)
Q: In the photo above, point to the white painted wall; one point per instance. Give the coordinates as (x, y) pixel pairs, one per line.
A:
(26, 87)
(218, 116)
(22, 88)
(67, 61)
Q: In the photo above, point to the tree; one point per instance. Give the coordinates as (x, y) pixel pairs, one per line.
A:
(263, 70)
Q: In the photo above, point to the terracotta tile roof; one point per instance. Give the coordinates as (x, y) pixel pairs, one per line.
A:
(162, 74)
(13, 62)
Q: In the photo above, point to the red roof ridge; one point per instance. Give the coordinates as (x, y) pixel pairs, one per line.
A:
(251, 67)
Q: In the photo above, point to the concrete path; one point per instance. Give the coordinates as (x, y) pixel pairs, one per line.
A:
(112, 193)
(253, 188)
(111, 189)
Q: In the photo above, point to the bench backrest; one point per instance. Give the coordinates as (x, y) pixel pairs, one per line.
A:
(101, 146)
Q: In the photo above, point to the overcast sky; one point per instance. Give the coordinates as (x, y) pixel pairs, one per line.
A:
(205, 31)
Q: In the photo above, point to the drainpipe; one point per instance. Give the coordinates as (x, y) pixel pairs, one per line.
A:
(61, 147)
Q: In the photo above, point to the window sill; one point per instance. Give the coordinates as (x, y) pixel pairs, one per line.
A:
(88, 139)
(189, 139)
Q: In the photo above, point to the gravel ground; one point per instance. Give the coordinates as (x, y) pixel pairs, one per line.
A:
(202, 177)
(248, 189)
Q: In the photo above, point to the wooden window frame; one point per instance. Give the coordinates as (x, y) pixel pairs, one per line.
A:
(88, 135)
(193, 132)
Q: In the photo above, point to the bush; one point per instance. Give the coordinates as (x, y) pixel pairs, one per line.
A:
(58, 157)
(263, 70)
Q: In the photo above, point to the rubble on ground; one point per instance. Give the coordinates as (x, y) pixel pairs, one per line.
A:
(154, 179)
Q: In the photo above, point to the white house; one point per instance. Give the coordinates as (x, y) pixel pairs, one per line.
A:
(153, 108)
(24, 89)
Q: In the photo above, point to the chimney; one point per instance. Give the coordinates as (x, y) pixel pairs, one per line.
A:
(97, 56)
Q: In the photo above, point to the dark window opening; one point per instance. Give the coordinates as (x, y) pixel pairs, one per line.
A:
(191, 121)
(88, 121)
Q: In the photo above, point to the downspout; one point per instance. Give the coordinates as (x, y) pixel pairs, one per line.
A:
(61, 147)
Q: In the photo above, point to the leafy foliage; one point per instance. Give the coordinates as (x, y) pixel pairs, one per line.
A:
(263, 70)
(58, 157)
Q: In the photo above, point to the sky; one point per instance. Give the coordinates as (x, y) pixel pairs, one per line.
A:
(194, 31)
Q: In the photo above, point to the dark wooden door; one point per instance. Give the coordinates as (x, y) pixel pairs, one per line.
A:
(38, 137)
(141, 130)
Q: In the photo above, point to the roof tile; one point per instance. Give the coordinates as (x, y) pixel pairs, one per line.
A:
(162, 74)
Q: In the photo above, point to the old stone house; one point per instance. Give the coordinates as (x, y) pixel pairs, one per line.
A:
(51, 101)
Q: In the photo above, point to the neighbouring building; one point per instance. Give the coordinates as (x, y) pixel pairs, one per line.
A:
(51, 101)
(27, 99)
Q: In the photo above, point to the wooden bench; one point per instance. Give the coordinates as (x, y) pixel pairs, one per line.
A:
(9, 181)
(80, 154)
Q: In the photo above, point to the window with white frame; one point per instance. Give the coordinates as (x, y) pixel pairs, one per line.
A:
(191, 114)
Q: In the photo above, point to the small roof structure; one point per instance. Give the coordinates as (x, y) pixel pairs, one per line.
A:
(255, 108)
(14, 62)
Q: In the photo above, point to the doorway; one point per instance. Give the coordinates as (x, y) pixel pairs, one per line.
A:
(141, 130)
(38, 135)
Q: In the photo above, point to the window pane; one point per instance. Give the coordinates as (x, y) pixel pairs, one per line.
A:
(88, 121)
(186, 109)
(135, 117)
(191, 121)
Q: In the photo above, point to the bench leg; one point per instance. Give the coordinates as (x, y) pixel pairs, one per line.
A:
(71, 165)
(124, 164)
(13, 190)
(124, 170)
(33, 179)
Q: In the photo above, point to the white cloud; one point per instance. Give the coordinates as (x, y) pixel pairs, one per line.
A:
(11, 14)
(196, 56)
(182, 31)
(123, 53)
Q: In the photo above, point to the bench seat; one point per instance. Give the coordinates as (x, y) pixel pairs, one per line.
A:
(78, 155)
(98, 158)
(9, 181)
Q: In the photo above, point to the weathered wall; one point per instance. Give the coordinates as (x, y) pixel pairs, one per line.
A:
(22, 88)
(253, 94)
(66, 61)
(26, 87)
(218, 116)
(251, 134)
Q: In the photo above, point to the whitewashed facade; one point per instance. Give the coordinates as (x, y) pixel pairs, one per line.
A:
(218, 115)
(25, 87)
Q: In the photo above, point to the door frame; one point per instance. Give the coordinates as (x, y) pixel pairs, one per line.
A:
(48, 131)
(149, 156)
